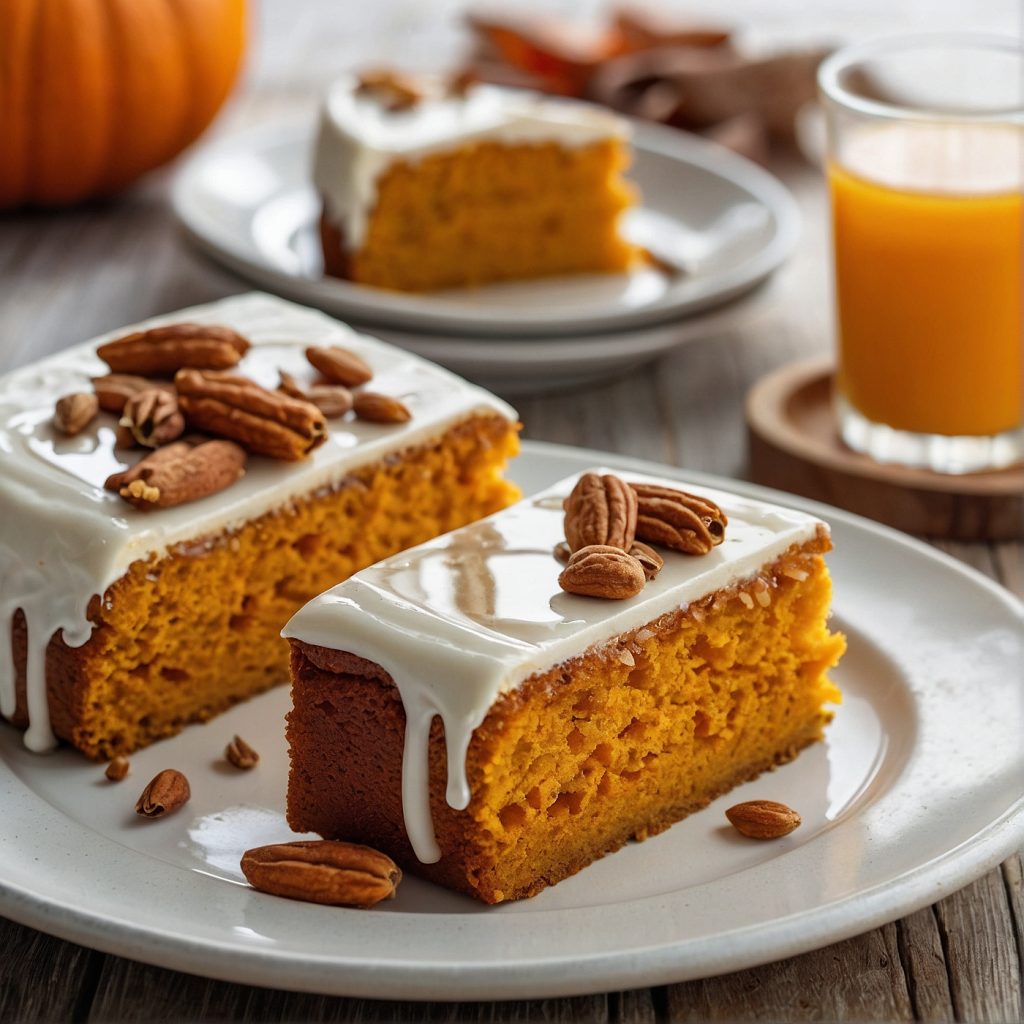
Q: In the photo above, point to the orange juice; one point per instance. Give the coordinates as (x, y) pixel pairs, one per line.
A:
(928, 263)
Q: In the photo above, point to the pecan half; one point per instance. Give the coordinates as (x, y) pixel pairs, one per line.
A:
(153, 417)
(162, 351)
(648, 558)
(393, 90)
(677, 520)
(333, 400)
(376, 408)
(322, 871)
(240, 754)
(167, 792)
(169, 453)
(763, 819)
(73, 413)
(600, 570)
(265, 422)
(114, 389)
(339, 365)
(179, 473)
(600, 510)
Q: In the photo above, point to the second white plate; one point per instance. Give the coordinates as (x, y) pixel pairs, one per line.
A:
(247, 200)
(915, 792)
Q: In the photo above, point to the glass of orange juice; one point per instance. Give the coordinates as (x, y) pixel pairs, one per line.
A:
(926, 176)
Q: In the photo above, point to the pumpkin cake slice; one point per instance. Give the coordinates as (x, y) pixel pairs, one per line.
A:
(428, 185)
(145, 587)
(456, 708)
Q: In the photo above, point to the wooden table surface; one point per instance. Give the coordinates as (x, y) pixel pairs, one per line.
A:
(67, 276)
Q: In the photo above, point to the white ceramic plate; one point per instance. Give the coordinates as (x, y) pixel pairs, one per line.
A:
(916, 791)
(247, 201)
(532, 366)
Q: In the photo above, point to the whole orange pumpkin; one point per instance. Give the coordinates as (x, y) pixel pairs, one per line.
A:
(94, 93)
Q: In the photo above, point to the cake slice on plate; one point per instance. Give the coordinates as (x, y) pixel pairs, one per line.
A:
(426, 185)
(146, 587)
(456, 708)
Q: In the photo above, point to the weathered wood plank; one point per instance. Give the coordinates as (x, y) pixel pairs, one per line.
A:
(1009, 566)
(636, 1006)
(858, 980)
(977, 933)
(925, 966)
(125, 986)
(43, 979)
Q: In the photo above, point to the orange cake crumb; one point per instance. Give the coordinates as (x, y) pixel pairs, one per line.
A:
(491, 212)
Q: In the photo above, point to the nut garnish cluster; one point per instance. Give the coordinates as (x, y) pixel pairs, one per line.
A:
(177, 390)
(396, 91)
(610, 526)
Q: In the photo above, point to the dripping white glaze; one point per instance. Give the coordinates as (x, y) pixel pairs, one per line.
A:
(65, 540)
(468, 616)
(359, 139)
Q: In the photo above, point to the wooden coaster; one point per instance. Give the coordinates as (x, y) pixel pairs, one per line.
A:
(795, 446)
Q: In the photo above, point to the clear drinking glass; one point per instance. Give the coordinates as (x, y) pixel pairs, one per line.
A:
(926, 172)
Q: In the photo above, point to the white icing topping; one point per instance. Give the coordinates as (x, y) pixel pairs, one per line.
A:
(359, 139)
(64, 539)
(466, 617)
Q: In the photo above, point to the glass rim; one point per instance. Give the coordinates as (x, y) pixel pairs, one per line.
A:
(857, 53)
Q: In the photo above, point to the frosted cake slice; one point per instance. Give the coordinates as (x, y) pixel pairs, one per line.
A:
(427, 186)
(131, 610)
(454, 707)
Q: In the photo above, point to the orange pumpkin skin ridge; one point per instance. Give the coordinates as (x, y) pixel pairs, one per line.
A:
(95, 93)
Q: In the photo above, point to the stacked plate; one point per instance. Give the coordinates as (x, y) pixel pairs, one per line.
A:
(715, 225)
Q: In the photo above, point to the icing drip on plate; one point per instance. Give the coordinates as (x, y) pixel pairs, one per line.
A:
(464, 618)
(64, 539)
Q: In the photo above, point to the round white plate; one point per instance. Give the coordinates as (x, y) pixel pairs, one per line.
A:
(724, 222)
(916, 791)
(532, 366)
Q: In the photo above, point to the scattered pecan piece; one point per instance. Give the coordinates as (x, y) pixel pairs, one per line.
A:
(162, 351)
(168, 453)
(677, 520)
(168, 791)
(183, 474)
(763, 819)
(333, 400)
(649, 559)
(118, 768)
(153, 417)
(240, 754)
(114, 389)
(323, 871)
(339, 365)
(124, 438)
(369, 405)
(73, 413)
(390, 88)
(600, 570)
(562, 552)
(600, 510)
(265, 422)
